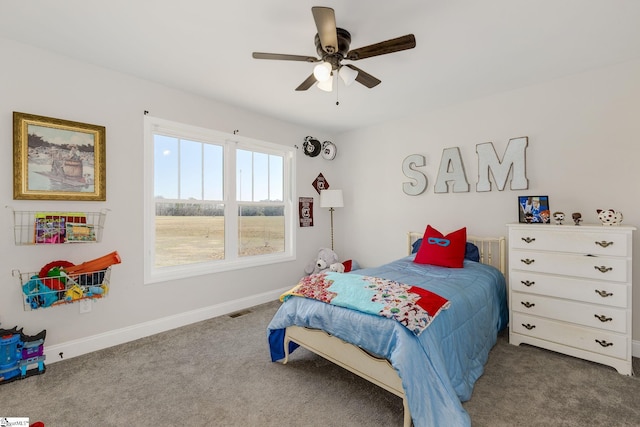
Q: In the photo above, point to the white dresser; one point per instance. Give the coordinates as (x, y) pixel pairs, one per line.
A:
(570, 290)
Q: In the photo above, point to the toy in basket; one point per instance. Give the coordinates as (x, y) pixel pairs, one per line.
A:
(61, 282)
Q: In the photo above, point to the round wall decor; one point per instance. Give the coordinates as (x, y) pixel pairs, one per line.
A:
(329, 150)
(311, 146)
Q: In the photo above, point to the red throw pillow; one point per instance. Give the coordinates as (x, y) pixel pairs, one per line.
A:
(441, 250)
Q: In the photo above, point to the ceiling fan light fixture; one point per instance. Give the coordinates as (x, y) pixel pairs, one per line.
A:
(333, 45)
(348, 75)
(326, 85)
(322, 71)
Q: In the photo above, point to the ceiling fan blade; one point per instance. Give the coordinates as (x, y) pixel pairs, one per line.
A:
(364, 78)
(382, 48)
(307, 83)
(326, 24)
(284, 57)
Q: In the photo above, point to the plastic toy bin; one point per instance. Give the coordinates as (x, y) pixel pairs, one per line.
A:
(61, 288)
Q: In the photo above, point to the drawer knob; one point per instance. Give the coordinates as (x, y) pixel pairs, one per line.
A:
(604, 294)
(604, 343)
(603, 268)
(529, 283)
(527, 304)
(528, 326)
(528, 239)
(603, 318)
(529, 261)
(604, 244)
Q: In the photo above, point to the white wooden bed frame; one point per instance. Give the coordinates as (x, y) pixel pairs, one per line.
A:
(377, 370)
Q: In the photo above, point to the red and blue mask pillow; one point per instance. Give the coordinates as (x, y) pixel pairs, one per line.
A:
(443, 250)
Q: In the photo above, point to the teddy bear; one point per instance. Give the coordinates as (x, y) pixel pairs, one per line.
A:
(326, 257)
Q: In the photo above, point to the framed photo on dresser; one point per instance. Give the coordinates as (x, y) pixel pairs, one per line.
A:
(534, 210)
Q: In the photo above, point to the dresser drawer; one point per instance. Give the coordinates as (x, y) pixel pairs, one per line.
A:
(594, 340)
(604, 293)
(610, 243)
(590, 267)
(594, 316)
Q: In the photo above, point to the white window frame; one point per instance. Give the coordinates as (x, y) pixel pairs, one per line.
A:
(230, 142)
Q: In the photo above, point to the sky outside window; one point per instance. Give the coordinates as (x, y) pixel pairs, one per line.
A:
(192, 170)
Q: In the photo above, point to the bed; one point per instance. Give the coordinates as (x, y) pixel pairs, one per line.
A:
(432, 372)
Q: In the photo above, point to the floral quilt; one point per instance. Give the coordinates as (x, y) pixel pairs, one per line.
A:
(411, 306)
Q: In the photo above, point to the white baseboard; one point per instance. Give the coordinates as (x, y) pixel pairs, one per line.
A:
(78, 347)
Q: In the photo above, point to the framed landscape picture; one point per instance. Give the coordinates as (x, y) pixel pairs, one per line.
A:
(55, 159)
(534, 209)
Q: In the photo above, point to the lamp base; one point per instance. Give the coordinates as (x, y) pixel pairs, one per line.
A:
(331, 211)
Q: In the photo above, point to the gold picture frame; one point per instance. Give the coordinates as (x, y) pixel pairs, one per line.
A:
(55, 159)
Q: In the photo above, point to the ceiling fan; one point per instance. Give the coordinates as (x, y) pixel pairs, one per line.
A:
(332, 44)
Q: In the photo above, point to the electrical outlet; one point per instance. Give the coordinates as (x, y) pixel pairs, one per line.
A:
(85, 305)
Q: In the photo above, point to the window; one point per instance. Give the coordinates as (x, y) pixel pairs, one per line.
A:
(214, 201)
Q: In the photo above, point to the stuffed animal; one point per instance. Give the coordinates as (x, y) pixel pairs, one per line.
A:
(609, 216)
(337, 267)
(325, 258)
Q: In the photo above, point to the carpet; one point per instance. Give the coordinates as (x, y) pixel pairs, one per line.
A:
(218, 373)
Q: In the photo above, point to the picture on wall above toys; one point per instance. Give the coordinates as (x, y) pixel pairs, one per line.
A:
(452, 175)
(56, 159)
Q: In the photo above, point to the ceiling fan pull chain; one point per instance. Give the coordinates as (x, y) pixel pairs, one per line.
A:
(337, 90)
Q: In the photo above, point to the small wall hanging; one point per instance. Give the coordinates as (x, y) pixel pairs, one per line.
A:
(305, 211)
(329, 150)
(320, 184)
(311, 146)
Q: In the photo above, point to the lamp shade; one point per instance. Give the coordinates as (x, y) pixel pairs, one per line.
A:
(347, 75)
(331, 199)
(322, 71)
(326, 85)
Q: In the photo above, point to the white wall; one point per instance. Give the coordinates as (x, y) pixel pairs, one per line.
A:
(37, 82)
(583, 152)
(583, 148)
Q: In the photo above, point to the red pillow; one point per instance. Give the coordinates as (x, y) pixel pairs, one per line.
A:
(441, 250)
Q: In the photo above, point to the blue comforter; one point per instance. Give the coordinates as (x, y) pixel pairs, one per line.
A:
(439, 368)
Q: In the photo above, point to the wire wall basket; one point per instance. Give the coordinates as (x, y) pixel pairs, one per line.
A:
(55, 287)
(56, 227)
